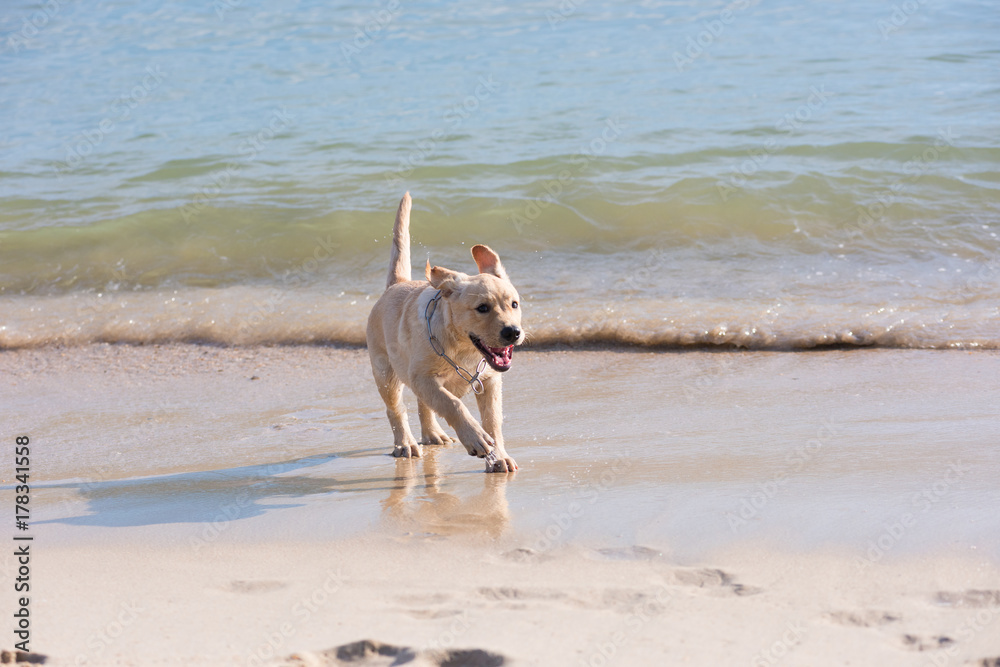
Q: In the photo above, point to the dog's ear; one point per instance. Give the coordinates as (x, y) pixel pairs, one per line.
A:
(488, 261)
(443, 279)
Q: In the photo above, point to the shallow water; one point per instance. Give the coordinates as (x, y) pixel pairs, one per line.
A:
(685, 452)
(766, 175)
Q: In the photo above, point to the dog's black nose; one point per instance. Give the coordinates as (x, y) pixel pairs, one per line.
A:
(510, 334)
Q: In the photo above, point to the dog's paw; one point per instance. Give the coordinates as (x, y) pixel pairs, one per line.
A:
(413, 451)
(436, 438)
(501, 464)
(477, 441)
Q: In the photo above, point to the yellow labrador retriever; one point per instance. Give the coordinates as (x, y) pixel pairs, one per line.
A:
(428, 334)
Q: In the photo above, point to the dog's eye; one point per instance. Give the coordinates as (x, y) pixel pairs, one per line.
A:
(513, 304)
(483, 308)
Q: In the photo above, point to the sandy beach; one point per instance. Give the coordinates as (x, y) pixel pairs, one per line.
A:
(237, 506)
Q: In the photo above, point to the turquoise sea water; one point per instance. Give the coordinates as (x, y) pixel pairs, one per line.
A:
(761, 174)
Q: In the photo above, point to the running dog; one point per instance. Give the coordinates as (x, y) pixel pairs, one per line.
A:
(427, 334)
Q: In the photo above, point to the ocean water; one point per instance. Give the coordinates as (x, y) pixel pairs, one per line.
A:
(775, 175)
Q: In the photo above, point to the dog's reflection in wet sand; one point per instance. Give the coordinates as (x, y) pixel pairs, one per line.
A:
(418, 505)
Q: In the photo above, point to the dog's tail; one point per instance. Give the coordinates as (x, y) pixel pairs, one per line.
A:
(399, 260)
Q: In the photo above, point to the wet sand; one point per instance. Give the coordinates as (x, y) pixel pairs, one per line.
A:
(203, 505)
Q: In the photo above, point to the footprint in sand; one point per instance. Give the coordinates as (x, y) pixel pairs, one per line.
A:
(369, 653)
(970, 598)
(508, 594)
(714, 579)
(253, 587)
(614, 599)
(635, 552)
(522, 554)
(868, 618)
(915, 643)
(22, 658)
(505, 594)
(466, 658)
(626, 601)
(519, 598)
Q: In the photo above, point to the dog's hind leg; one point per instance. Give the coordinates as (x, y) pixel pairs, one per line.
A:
(391, 390)
(431, 432)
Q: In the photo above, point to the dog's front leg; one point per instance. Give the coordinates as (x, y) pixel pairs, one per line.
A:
(491, 412)
(433, 394)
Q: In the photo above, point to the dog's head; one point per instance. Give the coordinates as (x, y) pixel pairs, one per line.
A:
(485, 307)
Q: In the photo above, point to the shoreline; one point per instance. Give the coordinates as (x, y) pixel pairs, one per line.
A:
(585, 343)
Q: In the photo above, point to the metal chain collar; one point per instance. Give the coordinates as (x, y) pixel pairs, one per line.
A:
(473, 380)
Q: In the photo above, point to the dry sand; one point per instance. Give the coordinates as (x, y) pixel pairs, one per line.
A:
(206, 506)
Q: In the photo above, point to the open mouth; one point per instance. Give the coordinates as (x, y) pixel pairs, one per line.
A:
(498, 358)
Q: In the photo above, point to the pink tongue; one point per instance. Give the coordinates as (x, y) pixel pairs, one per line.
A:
(501, 354)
